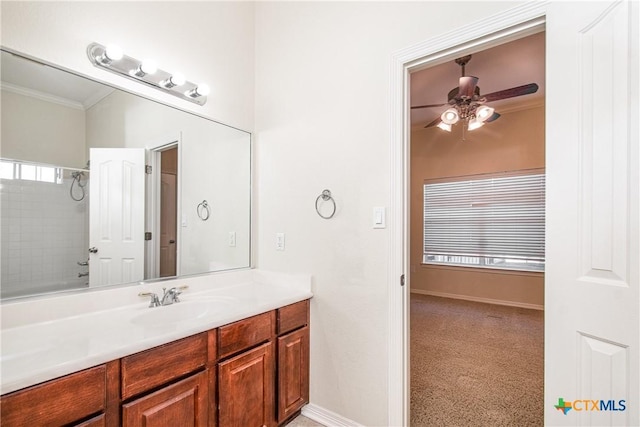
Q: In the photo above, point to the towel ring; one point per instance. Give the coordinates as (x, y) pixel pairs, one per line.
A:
(203, 210)
(326, 195)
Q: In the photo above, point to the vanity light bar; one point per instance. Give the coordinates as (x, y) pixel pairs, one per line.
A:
(112, 59)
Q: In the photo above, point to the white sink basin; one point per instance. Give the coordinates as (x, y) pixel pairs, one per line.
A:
(183, 311)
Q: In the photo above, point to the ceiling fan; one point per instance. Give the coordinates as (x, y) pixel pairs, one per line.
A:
(468, 105)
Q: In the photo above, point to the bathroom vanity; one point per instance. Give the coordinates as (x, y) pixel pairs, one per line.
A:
(253, 371)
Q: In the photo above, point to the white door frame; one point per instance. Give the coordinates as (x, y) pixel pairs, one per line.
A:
(501, 28)
(152, 267)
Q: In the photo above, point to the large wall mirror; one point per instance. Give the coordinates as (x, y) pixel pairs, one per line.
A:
(102, 187)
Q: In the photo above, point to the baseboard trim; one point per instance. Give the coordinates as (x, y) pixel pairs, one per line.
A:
(326, 417)
(479, 299)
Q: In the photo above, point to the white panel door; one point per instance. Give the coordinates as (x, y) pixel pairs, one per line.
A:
(116, 215)
(592, 326)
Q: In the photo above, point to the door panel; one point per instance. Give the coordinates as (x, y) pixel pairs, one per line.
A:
(246, 389)
(592, 275)
(116, 215)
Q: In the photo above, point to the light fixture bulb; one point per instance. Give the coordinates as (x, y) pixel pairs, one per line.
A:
(177, 79)
(200, 90)
(474, 124)
(450, 116)
(444, 126)
(111, 53)
(148, 66)
(484, 112)
(203, 89)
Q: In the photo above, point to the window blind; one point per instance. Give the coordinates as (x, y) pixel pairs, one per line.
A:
(495, 222)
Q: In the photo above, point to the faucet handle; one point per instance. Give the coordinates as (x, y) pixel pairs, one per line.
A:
(178, 290)
(155, 301)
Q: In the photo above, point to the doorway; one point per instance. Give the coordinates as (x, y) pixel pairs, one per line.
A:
(461, 187)
(489, 33)
(162, 253)
(168, 211)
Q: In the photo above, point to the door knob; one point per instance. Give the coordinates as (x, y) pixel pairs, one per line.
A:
(172, 241)
(93, 250)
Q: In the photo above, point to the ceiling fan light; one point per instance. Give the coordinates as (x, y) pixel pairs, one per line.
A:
(444, 126)
(484, 112)
(474, 124)
(450, 116)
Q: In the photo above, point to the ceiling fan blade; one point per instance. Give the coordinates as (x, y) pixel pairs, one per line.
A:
(467, 86)
(511, 93)
(434, 122)
(427, 106)
(494, 116)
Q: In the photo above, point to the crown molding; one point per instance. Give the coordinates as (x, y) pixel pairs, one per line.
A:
(31, 93)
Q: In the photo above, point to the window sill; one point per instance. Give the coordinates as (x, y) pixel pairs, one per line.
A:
(470, 269)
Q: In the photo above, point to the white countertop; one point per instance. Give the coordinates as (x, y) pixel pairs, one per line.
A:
(46, 338)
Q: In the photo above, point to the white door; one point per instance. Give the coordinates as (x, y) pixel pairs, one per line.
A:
(116, 232)
(592, 306)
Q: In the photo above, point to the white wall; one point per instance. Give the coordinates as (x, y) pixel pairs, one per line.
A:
(322, 121)
(210, 42)
(41, 131)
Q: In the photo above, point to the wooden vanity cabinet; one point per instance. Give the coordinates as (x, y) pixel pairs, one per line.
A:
(250, 373)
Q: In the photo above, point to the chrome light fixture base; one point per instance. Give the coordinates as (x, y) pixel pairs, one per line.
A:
(130, 68)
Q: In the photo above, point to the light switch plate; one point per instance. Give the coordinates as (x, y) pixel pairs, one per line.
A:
(279, 241)
(379, 217)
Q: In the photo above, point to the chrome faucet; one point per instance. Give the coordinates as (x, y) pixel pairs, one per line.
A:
(170, 296)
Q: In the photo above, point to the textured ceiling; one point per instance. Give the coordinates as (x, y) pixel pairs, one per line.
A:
(505, 66)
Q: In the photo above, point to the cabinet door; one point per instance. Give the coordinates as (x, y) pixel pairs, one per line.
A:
(246, 389)
(293, 372)
(181, 404)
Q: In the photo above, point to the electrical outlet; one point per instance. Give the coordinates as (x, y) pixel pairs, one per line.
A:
(279, 241)
(232, 238)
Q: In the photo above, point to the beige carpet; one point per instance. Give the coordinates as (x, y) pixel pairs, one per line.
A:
(475, 364)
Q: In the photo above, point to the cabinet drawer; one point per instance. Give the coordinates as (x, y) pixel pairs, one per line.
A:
(245, 333)
(151, 368)
(293, 316)
(57, 402)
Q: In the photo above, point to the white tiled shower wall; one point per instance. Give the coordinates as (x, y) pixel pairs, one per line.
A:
(44, 233)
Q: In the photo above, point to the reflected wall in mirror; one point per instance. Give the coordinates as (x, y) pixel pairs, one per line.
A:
(78, 208)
